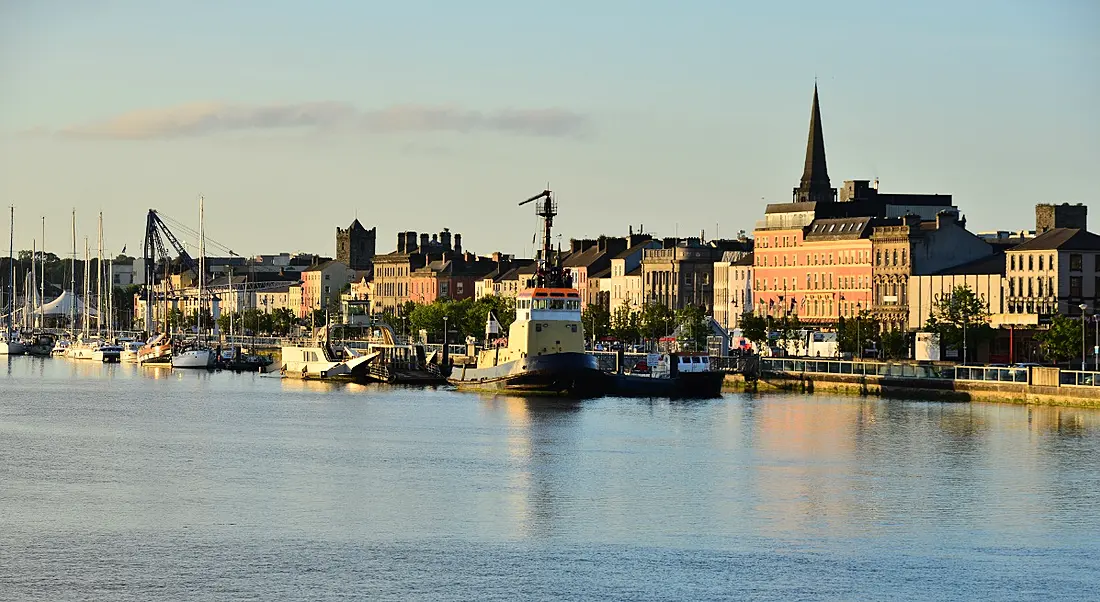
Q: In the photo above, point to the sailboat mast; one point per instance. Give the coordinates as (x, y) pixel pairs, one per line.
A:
(110, 298)
(42, 285)
(30, 288)
(87, 287)
(72, 282)
(99, 279)
(11, 278)
(202, 262)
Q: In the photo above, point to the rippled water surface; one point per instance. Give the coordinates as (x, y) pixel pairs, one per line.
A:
(123, 483)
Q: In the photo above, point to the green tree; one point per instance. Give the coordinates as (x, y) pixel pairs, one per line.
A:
(857, 334)
(282, 320)
(657, 320)
(596, 320)
(626, 323)
(895, 345)
(959, 319)
(1062, 341)
(755, 329)
(692, 321)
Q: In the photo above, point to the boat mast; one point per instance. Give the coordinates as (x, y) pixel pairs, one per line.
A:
(11, 278)
(110, 298)
(72, 284)
(202, 265)
(99, 279)
(42, 285)
(30, 288)
(87, 287)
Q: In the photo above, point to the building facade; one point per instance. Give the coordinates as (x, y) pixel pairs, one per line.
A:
(322, 285)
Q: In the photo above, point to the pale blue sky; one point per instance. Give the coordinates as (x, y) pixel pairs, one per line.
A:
(293, 117)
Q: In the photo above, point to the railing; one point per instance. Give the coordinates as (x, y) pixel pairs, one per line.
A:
(856, 368)
(987, 374)
(1079, 378)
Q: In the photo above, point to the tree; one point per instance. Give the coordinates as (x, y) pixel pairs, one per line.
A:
(596, 321)
(656, 321)
(856, 334)
(282, 320)
(626, 323)
(895, 346)
(692, 321)
(1062, 341)
(960, 319)
(755, 329)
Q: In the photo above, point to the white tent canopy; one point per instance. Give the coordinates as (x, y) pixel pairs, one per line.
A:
(65, 303)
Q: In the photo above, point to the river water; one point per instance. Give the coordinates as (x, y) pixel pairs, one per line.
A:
(121, 483)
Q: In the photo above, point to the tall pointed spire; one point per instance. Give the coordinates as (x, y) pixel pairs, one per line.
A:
(815, 185)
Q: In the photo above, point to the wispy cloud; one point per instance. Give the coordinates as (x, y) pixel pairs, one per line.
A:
(206, 118)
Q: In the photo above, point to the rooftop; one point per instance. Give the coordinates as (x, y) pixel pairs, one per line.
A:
(1062, 239)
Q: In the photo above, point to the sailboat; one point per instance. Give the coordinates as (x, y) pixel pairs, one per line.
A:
(9, 343)
(197, 354)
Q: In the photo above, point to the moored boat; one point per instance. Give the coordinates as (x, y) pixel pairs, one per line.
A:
(157, 350)
(673, 375)
(107, 353)
(196, 356)
(545, 349)
(130, 350)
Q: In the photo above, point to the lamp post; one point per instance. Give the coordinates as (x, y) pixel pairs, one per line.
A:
(1083, 307)
(1096, 349)
(859, 336)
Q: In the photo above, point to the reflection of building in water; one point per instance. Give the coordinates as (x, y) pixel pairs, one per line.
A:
(537, 477)
(806, 449)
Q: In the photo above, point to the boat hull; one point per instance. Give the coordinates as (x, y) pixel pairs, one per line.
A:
(194, 358)
(558, 373)
(696, 385)
(13, 348)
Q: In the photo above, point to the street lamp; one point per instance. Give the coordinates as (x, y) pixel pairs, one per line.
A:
(859, 336)
(1083, 307)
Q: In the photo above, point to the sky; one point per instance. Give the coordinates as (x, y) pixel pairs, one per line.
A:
(293, 118)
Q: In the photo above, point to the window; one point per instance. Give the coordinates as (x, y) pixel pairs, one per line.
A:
(1030, 262)
(1012, 263)
(1074, 286)
(895, 257)
(878, 257)
(807, 281)
(1075, 262)
(1040, 263)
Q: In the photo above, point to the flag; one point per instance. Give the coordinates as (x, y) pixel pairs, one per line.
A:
(491, 325)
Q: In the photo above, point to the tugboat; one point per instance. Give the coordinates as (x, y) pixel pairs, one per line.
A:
(545, 350)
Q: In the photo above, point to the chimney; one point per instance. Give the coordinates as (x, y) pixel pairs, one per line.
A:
(445, 239)
(424, 240)
(458, 243)
(435, 240)
(401, 242)
(410, 242)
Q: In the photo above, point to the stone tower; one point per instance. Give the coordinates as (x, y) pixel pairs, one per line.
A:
(355, 246)
(815, 186)
(1049, 217)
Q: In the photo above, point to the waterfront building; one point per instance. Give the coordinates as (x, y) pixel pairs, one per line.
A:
(322, 284)
(355, 246)
(452, 276)
(813, 256)
(908, 246)
(983, 276)
(1055, 272)
(277, 297)
(393, 271)
(625, 280)
(588, 259)
(732, 288)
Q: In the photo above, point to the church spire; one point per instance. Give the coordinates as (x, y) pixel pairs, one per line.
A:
(815, 185)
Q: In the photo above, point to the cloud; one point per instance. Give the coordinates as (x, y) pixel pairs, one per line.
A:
(207, 118)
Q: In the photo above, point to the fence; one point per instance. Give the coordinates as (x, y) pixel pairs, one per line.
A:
(1079, 378)
(982, 373)
(857, 368)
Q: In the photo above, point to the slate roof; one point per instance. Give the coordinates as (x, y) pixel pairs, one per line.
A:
(1062, 239)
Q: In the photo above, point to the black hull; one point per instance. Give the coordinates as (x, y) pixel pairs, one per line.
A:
(575, 374)
(686, 385)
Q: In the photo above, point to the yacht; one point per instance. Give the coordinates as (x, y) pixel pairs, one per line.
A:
(9, 342)
(157, 350)
(107, 352)
(195, 355)
(129, 354)
(60, 347)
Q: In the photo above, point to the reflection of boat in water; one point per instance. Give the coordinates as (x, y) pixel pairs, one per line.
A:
(675, 375)
(545, 349)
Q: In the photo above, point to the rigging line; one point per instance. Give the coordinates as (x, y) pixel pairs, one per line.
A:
(194, 233)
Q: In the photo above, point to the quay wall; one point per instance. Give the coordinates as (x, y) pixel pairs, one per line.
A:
(926, 389)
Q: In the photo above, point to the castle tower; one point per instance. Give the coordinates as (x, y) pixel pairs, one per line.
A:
(355, 246)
